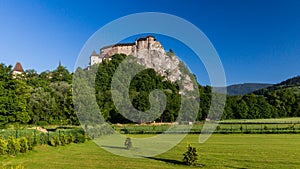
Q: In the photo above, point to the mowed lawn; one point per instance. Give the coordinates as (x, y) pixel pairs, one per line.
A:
(220, 151)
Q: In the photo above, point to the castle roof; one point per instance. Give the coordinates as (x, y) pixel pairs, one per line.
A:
(118, 44)
(18, 67)
(124, 44)
(145, 38)
(109, 46)
(94, 53)
(129, 44)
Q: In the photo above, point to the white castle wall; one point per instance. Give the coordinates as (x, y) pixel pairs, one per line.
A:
(148, 43)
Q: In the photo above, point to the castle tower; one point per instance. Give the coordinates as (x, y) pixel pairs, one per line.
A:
(18, 70)
(151, 38)
(95, 58)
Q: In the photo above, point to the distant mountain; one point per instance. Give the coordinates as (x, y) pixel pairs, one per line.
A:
(292, 83)
(241, 89)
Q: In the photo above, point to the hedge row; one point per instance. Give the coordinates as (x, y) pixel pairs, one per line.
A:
(13, 146)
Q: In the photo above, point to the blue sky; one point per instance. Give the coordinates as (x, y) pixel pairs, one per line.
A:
(257, 41)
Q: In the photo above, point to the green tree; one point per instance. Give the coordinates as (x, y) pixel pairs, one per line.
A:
(190, 157)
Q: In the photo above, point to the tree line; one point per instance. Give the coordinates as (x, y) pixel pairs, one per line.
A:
(47, 97)
(33, 98)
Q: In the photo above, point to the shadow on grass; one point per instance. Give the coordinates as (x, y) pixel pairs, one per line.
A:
(167, 160)
(115, 147)
(235, 167)
(177, 162)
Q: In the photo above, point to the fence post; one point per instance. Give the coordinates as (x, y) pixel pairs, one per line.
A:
(48, 136)
(17, 134)
(241, 128)
(34, 135)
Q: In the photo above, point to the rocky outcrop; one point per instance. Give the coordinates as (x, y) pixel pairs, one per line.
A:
(151, 54)
(166, 64)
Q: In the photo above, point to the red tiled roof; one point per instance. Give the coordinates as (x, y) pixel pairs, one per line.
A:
(18, 67)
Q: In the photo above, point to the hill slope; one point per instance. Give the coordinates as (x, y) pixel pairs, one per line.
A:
(242, 89)
(292, 84)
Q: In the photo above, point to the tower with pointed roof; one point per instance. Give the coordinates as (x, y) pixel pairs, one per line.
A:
(94, 59)
(18, 70)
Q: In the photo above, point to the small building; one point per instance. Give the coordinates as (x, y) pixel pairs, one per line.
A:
(95, 58)
(18, 70)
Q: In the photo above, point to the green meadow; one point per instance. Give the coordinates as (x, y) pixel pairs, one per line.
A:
(220, 151)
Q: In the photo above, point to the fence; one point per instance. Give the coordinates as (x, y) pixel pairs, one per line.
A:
(227, 128)
(222, 128)
(39, 137)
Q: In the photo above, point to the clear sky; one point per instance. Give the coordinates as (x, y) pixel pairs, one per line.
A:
(257, 40)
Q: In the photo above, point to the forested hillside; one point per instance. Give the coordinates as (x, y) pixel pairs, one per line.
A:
(246, 88)
(140, 88)
(279, 100)
(292, 84)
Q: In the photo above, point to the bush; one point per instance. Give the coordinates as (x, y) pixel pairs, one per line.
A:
(190, 157)
(43, 138)
(70, 138)
(63, 140)
(31, 143)
(13, 146)
(55, 141)
(3, 146)
(23, 144)
(128, 143)
(16, 167)
(80, 138)
(42, 123)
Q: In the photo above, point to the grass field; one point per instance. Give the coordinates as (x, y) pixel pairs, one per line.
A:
(220, 151)
(276, 120)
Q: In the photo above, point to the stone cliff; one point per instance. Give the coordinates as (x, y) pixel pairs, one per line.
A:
(151, 54)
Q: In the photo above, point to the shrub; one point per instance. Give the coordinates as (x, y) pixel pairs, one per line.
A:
(190, 157)
(14, 167)
(13, 146)
(20, 167)
(55, 141)
(80, 138)
(3, 146)
(63, 140)
(31, 143)
(70, 138)
(23, 144)
(42, 123)
(128, 143)
(43, 138)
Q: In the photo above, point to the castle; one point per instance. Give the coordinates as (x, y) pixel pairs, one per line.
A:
(145, 43)
(149, 53)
